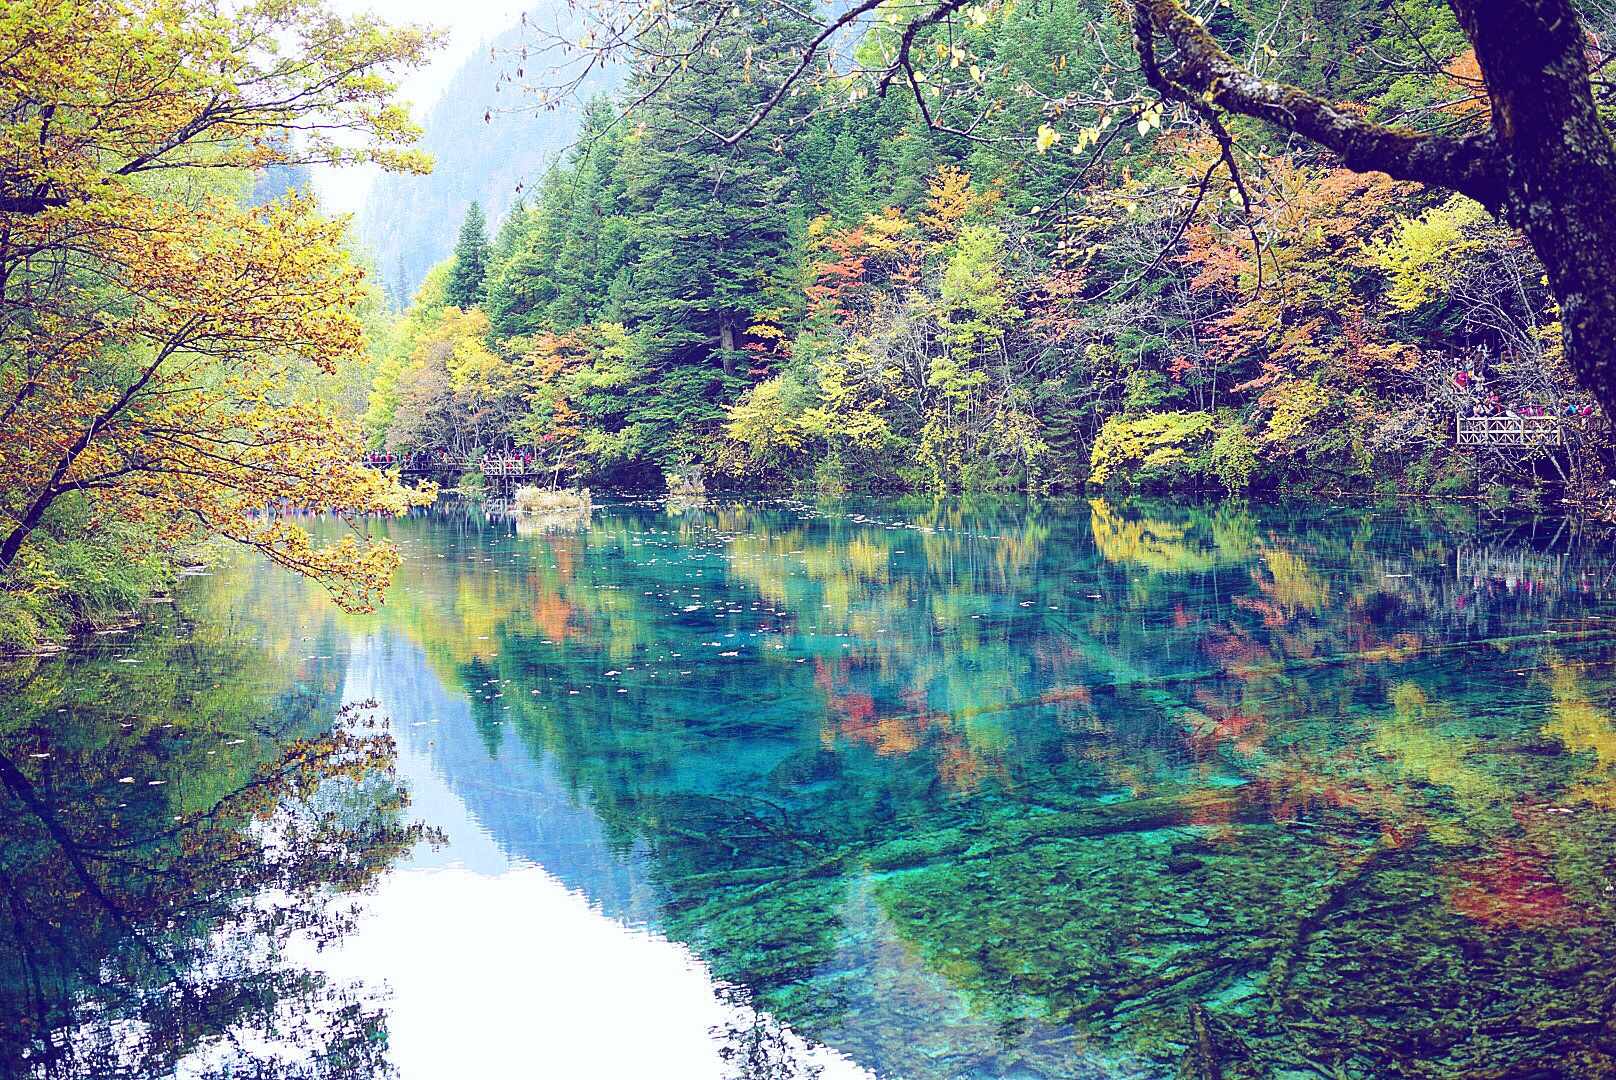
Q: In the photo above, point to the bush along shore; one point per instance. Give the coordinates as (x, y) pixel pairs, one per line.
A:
(79, 575)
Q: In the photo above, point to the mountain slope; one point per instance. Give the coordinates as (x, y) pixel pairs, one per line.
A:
(482, 152)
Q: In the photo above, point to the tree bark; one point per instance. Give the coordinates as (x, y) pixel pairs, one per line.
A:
(1558, 164)
(726, 342)
(53, 488)
(1547, 166)
(14, 539)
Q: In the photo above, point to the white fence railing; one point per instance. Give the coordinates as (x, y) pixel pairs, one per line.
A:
(1510, 431)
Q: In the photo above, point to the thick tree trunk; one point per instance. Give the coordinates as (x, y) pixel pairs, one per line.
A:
(1559, 167)
(726, 342)
(1548, 166)
(13, 542)
(54, 487)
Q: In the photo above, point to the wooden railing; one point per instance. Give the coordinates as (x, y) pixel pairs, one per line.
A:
(1510, 431)
(488, 466)
(511, 467)
(423, 464)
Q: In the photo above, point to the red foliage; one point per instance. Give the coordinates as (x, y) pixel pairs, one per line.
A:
(1513, 887)
(837, 281)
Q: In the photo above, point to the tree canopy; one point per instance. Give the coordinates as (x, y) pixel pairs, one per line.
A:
(153, 326)
(1536, 152)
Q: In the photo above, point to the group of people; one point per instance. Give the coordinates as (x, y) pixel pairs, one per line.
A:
(501, 463)
(1472, 384)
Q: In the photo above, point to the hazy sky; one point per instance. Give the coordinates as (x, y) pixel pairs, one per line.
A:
(471, 24)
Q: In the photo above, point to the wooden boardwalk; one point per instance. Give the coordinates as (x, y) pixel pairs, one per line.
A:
(505, 471)
(1531, 432)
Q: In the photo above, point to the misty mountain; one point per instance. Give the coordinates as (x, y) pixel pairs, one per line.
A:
(273, 181)
(489, 145)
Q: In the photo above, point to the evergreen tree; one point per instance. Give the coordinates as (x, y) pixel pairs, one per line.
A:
(554, 268)
(715, 222)
(470, 268)
(509, 236)
(398, 289)
(591, 241)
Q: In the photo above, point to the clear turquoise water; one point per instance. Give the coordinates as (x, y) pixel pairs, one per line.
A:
(897, 789)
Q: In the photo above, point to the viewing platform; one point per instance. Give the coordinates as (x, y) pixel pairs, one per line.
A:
(504, 472)
(1527, 431)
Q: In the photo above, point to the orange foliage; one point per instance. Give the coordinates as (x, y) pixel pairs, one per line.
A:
(551, 358)
(553, 617)
(1311, 316)
(867, 264)
(1514, 887)
(961, 767)
(1462, 84)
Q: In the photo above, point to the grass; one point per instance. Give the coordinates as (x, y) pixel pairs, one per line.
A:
(74, 575)
(532, 500)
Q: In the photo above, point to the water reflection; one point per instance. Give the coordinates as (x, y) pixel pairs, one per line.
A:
(168, 822)
(1144, 790)
(969, 790)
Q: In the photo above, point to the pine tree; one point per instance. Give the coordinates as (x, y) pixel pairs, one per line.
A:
(510, 234)
(470, 267)
(713, 224)
(398, 289)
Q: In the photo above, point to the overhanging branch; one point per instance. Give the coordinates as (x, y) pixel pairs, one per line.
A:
(1468, 165)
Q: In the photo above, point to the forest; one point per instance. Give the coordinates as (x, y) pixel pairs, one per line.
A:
(1067, 287)
(983, 539)
(900, 248)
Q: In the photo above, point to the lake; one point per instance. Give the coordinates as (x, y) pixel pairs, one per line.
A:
(912, 789)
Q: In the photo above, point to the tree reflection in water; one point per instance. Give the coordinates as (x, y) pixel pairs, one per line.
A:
(1111, 791)
(1130, 792)
(162, 839)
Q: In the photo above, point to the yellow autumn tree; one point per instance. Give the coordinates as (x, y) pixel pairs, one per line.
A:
(151, 326)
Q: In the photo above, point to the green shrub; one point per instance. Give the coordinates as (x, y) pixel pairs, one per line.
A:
(1455, 478)
(1164, 448)
(830, 476)
(1233, 458)
(73, 574)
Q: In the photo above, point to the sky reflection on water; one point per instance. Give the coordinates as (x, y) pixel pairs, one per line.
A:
(545, 982)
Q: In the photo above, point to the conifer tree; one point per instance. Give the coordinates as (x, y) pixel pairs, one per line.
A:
(509, 235)
(716, 220)
(572, 261)
(470, 268)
